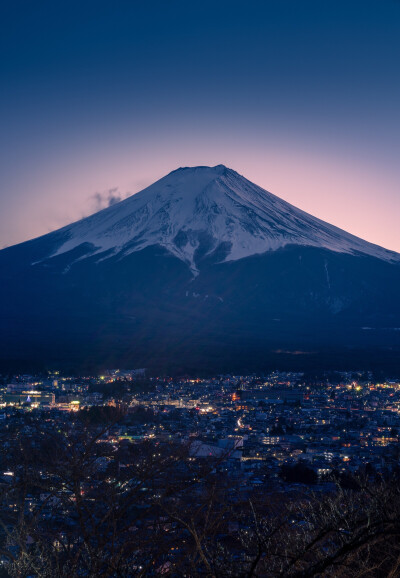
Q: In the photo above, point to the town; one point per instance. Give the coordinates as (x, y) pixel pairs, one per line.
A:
(346, 425)
(125, 474)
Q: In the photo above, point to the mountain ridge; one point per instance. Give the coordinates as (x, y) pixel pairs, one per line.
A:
(194, 206)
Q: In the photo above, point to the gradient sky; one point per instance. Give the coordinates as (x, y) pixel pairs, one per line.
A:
(101, 98)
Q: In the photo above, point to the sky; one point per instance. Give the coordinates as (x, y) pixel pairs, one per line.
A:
(99, 99)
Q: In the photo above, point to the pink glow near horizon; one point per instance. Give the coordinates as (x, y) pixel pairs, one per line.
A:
(346, 193)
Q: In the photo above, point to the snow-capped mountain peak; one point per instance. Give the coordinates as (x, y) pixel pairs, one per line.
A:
(202, 210)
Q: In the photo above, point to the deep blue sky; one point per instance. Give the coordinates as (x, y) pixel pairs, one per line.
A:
(300, 96)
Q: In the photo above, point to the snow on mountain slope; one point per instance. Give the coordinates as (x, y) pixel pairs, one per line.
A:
(216, 204)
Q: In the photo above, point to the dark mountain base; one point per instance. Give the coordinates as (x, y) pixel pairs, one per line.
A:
(296, 309)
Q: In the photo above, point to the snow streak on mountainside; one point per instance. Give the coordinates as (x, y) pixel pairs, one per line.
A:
(203, 209)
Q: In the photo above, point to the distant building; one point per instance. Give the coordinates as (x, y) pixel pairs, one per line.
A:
(226, 448)
(29, 396)
(125, 373)
(273, 395)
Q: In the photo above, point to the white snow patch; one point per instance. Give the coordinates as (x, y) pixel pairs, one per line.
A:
(327, 275)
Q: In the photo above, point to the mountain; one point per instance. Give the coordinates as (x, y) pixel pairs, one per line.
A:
(196, 212)
(203, 270)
